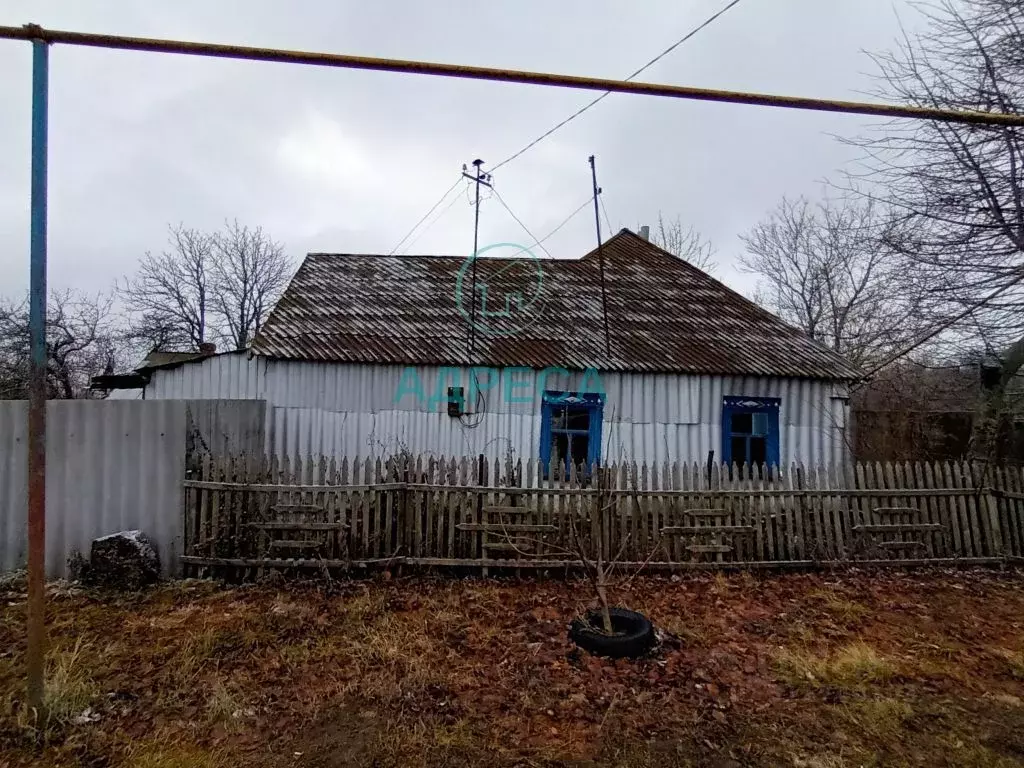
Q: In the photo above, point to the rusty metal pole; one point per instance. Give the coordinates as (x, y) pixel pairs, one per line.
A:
(37, 382)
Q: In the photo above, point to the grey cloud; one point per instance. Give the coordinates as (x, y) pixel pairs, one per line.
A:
(348, 161)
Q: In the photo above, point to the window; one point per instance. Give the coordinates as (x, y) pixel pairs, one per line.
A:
(750, 430)
(570, 428)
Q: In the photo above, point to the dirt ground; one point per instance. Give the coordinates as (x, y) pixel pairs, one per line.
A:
(807, 670)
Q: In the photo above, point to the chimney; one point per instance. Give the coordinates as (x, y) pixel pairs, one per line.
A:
(208, 348)
(645, 232)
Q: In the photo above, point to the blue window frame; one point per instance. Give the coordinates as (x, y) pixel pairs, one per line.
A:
(570, 428)
(750, 430)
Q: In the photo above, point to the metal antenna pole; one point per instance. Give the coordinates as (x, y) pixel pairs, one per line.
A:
(479, 178)
(600, 260)
(37, 382)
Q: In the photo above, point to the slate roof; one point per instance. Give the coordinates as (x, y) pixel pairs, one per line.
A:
(664, 315)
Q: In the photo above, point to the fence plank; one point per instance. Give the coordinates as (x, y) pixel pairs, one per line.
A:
(838, 511)
(967, 512)
(794, 517)
(947, 513)
(985, 479)
(927, 506)
(1008, 510)
(822, 515)
(979, 527)
(766, 512)
(957, 521)
(863, 514)
(1016, 506)
(422, 502)
(987, 506)
(215, 504)
(437, 511)
(907, 518)
(887, 476)
(972, 503)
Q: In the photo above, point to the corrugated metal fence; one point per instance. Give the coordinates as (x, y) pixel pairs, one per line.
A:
(112, 465)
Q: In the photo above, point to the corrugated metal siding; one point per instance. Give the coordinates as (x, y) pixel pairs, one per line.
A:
(230, 377)
(13, 484)
(226, 427)
(341, 409)
(109, 466)
(373, 388)
(636, 427)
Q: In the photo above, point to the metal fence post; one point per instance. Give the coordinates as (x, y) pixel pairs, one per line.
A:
(37, 382)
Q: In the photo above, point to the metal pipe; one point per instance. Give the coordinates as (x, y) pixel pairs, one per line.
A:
(215, 50)
(37, 382)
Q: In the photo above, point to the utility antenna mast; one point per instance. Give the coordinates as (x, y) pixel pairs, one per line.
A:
(485, 179)
(600, 260)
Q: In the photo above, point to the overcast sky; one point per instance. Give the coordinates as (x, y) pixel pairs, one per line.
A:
(338, 160)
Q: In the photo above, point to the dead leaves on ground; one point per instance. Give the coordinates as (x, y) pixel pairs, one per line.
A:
(751, 669)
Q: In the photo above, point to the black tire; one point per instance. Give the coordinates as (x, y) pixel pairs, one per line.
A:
(634, 634)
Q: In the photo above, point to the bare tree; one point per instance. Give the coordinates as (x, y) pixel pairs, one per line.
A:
(205, 287)
(958, 188)
(82, 341)
(825, 268)
(169, 298)
(250, 271)
(685, 242)
(591, 531)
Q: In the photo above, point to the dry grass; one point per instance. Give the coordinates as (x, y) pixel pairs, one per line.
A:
(845, 612)
(1014, 661)
(154, 755)
(768, 671)
(68, 695)
(853, 666)
(881, 719)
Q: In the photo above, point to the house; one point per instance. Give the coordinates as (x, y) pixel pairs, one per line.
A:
(627, 353)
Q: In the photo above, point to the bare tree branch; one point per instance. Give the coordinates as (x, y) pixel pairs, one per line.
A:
(958, 190)
(216, 287)
(168, 299)
(685, 242)
(249, 271)
(82, 341)
(826, 268)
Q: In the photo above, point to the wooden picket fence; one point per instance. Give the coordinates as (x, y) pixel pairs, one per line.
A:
(248, 512)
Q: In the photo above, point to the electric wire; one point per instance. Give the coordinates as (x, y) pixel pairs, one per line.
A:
(424, 218)
(432, 222)
(562, 223)
(607, 221)
(537, 241)
(646, 66)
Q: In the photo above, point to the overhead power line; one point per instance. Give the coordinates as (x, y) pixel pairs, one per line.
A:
(536, 240)
(607, 221)
(424, 218)
(434, 69)
(558, 227)
(430, 225)
(646, 66)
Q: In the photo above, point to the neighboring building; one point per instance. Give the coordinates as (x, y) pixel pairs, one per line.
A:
(370, 355)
